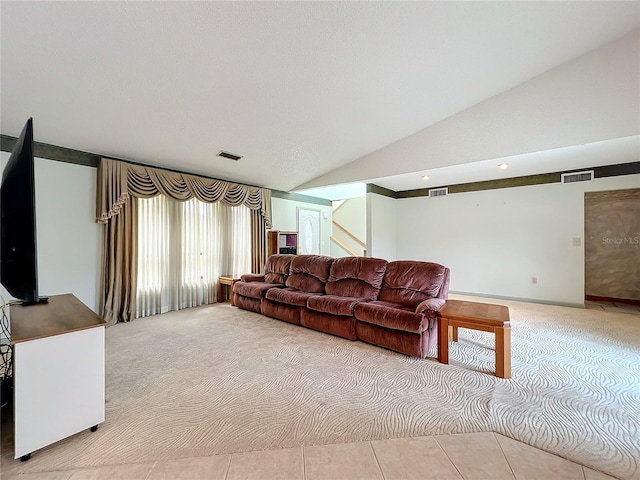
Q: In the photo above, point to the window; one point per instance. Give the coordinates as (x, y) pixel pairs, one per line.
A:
(184, 247)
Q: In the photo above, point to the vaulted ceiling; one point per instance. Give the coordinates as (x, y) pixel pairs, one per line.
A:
(322, 93)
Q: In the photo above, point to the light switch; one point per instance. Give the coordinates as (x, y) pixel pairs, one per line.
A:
(577, 241)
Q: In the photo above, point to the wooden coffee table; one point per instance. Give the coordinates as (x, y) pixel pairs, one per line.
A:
(476, 316)
(228, 280)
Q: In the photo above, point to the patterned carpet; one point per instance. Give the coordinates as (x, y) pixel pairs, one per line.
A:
(217, 379)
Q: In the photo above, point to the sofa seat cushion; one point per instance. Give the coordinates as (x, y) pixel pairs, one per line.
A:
(334, 304)
(253, 289)
(290, 296)
(395, 316)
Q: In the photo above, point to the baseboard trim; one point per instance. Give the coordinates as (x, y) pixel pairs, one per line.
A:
(595, 298)
(520, 299)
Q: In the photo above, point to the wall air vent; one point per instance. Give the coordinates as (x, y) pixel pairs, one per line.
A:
(230, 156)
(586, 176)
(438, 192)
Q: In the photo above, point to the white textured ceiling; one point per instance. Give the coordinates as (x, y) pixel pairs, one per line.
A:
(297, 88)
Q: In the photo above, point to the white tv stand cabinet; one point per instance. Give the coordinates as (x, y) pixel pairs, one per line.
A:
(58, 371)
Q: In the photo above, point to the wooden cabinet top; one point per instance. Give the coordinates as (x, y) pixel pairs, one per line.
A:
(62, 314)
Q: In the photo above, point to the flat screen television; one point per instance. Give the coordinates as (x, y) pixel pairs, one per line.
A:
(18, 252)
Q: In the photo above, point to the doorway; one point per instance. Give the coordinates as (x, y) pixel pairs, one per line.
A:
(612, 246)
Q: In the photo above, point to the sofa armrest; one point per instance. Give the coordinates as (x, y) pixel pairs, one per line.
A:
(252, 277)
(430, 304)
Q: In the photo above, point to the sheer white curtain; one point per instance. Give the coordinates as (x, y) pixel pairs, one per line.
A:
(184, 247)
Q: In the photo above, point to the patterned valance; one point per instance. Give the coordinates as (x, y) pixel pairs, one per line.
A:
(117, 180)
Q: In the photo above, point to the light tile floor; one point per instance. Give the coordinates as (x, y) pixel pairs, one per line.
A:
(472, 456)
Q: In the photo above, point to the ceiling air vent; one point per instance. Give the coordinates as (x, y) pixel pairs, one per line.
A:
(230, 156)
(438, 192)
(586, 176)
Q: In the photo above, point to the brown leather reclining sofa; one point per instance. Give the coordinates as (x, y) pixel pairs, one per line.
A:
(390, 304)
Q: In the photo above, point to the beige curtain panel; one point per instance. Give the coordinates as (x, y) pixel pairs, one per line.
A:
(120, 262)
(259, 242)
(118, 180)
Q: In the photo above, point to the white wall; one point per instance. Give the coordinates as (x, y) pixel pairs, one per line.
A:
(336, 251)
(495, 241)
(382, 216)
(352, 215)
(69, 240)
(285, 217)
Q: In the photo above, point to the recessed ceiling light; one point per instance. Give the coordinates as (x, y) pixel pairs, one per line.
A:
(425, 177)
(504, 166)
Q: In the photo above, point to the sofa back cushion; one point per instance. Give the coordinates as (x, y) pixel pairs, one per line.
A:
(276, 270)
(359, 277)
(410, 282)
(309, 273)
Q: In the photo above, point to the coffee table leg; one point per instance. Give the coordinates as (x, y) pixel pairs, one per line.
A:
(503, 352)
(443, 340)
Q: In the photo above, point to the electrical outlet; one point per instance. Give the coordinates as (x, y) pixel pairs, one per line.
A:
(534, 280)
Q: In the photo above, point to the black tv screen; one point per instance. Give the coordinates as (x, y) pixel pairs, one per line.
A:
(19, 257)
